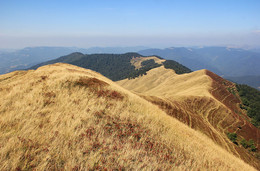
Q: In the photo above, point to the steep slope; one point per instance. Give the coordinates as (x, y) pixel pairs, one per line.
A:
(65, 117)
(250, 98)
(202, 100)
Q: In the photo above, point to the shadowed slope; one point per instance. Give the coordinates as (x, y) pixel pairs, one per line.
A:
(65, 117)
(202, 100)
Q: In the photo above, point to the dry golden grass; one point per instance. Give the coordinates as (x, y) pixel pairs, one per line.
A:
(196, 100)
(164, 82)
(65, 117)
(137, 61)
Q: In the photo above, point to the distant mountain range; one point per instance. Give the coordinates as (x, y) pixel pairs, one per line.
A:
(221, 60)
(227, 62)
(253, 81)
(115, 50)
(29, 56)
(238, 65)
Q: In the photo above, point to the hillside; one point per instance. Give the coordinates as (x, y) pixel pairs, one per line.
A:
(203, 101)
(64, 117)
(250, 98)
(117, 66)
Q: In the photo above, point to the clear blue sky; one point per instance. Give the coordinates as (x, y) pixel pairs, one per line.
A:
(154, 23)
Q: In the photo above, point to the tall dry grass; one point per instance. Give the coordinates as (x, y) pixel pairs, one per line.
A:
(201, 100)
(65, 117)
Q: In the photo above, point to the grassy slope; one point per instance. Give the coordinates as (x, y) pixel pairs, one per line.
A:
(159, 81)
(198, 100)
(65, 117)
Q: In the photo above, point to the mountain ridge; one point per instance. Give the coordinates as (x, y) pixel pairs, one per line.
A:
(74, 118)
(202, 100)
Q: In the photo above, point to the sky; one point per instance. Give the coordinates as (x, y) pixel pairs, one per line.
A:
(108, 23)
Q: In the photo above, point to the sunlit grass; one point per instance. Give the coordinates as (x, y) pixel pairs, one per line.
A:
(65, 117)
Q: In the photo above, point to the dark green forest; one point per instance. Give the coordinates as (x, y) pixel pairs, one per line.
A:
(251, 102)
(146, 66)
(114, 66)
(177, 67)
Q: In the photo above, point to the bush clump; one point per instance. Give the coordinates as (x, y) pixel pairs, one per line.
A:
(248, 144)
(233, 137)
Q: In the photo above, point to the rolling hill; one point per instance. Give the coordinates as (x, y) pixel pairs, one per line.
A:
(65, 117)
(202, 100)
(117, 66)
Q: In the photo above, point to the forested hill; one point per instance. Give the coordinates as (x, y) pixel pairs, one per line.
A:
(250, 98)
(115, 66)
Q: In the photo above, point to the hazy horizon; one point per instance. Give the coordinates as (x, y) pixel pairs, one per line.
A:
(113, 23)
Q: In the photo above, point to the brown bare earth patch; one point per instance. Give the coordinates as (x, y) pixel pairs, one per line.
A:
(110, 94)
(90, 82)
(225, 92)
(124, 132)
(97, 86)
